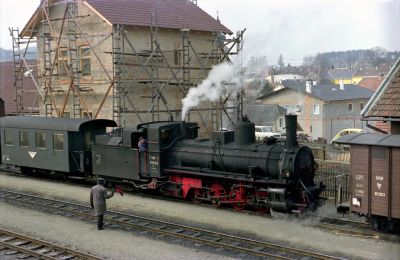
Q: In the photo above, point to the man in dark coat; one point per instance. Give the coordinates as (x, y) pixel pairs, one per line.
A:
(98, 196)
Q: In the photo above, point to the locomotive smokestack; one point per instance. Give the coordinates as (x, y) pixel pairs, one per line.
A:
(291, 129)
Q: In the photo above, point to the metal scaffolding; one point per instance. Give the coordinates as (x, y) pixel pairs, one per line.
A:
(186, 70)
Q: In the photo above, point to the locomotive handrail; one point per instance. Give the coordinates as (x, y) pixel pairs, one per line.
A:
(173, 142)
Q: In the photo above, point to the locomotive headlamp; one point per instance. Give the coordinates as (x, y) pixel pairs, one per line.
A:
(285, 173)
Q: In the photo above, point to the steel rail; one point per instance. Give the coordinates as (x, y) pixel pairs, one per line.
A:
(38, 248)
(215, 239)
(347, 227)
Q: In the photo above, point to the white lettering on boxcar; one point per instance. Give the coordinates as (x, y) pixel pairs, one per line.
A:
(359, 185)
(359, 192)
(379, 178)
(378, 185)
(379, 194)
(359, 177)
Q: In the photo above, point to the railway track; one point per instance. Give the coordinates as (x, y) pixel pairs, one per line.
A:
(240, 245)
(354, 228)
(18, 246)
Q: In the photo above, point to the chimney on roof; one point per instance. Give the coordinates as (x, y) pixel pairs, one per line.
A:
(314, 82)
(341, 83)
(308, 86)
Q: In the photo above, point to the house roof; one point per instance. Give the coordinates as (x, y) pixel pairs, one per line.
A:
(371, 83)
(173, 14)
(263, 114)
(328, 91)
(386, 101)
(7, 90)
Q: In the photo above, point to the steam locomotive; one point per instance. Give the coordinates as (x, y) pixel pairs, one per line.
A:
(228, 169)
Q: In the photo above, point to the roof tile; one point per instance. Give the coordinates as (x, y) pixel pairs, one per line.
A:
(388, 104)
(175, 14)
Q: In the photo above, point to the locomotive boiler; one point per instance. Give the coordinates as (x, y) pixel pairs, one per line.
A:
(228, 169)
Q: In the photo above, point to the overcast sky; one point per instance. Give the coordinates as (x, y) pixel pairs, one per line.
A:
(293, 28)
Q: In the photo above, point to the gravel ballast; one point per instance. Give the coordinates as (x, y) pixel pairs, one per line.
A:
(282, 228)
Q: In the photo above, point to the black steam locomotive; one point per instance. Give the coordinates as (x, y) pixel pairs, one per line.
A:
(228, 169)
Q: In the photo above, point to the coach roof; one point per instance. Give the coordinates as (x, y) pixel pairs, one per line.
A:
(386, 140)
(51, 123)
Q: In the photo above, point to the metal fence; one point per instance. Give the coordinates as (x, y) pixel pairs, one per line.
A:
(334, 171)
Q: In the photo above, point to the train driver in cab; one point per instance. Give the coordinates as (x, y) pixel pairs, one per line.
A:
(142, 145)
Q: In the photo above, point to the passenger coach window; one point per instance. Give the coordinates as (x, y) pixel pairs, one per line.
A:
(41, 140)
(58, 142)
(8, 137)
(23, 139)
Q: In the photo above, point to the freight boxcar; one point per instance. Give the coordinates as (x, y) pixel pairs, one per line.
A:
(375, 178)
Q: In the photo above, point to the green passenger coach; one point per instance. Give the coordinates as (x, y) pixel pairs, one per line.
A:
(57, 145)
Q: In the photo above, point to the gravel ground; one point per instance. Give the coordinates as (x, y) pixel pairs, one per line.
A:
(295, 231)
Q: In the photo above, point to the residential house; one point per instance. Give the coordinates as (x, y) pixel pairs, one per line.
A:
(8, 91)
(281, 77)
(266, 115)
(322, 109)
(382, 113)
(347, 76)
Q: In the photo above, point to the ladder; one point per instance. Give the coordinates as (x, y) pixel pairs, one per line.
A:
(48, 105)
(18, 71)
(155, 96)
(118, 61)
(74, 58)
(186, 67)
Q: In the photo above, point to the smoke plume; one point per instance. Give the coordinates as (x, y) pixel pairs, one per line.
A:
(224, 78)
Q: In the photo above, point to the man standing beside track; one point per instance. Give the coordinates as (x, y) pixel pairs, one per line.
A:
(98, 196)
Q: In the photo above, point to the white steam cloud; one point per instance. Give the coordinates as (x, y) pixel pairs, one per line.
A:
(224, 78)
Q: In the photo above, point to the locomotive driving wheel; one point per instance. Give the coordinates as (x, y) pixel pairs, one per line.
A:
(239, 195)
(217, 193)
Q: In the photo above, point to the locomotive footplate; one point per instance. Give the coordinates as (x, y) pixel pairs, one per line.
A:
(203, 172)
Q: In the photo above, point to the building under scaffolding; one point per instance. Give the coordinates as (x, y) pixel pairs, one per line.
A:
(132, 61)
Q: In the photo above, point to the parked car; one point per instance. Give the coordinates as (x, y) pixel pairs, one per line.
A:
(266, 131)
(345, 132)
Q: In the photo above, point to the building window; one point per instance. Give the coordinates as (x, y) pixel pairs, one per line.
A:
(85, 64)
(280, 122)
(361, 106)
(23, 139)
(316, 109)
(67, 114)
(58, 142)
(8, 137)
(41, 140)
(62, 63)
(350, 107)
(87, 115)
(177, 57)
